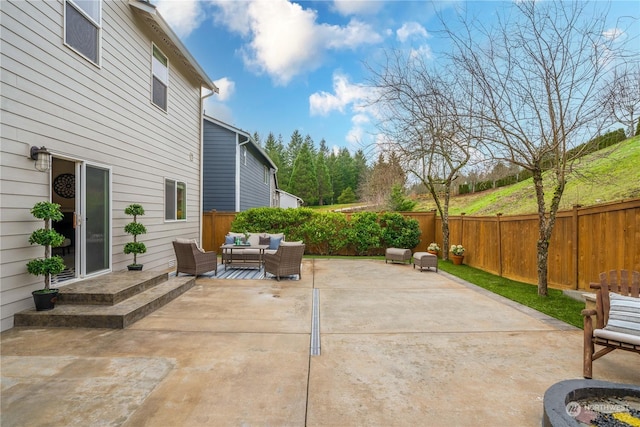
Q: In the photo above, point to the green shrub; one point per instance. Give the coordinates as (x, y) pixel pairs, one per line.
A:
(331, 233)
(325, 233)
(364, 234)
(47, 237)
(399, 231)
(135, 229)
(46, 266)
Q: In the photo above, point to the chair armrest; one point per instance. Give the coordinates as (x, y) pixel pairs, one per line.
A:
(203, 256)
(588, 312)
(595, 285)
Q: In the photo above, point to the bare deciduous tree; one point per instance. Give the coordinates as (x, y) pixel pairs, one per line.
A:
(624, 98)
(538, 84)
(420, 117)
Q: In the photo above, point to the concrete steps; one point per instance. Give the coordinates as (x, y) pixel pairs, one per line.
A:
(115, 300)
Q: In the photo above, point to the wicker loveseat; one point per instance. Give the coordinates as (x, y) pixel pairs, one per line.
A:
(251, 254)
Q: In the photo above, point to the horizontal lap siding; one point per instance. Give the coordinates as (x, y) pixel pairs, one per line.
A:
(254, 192)
(219, 169)
(52, 96)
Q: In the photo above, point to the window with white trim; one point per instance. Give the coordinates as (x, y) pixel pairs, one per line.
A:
(175, 200)
(160, 78)
(82, 26)
(244, 155)
(266, 175)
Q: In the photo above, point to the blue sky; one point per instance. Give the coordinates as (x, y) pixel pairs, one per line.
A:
(283, 65)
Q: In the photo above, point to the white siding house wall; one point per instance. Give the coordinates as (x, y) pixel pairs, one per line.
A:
(53, 97)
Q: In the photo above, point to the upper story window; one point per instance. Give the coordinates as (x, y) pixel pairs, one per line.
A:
(160, 77)
(82, 25)
(244, 155)
(265, 177)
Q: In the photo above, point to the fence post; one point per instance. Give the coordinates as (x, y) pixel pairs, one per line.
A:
(574, 231)
(499, 214)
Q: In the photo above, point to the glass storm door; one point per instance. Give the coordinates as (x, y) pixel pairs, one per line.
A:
(96, 219)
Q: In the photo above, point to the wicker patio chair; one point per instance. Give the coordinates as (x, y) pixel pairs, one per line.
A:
(617, 317)
(192, 260)
(286, 261)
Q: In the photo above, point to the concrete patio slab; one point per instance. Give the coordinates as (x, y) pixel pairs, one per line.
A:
(214, 306)
(398, 348)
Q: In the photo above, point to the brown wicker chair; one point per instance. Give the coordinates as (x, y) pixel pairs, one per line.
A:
(286, 261)
(599, 335)
(191, 260)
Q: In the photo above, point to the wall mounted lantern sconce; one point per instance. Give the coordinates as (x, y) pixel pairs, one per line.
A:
(42, 158)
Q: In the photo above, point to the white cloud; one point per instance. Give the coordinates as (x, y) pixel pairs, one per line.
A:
(423, 52)
(357, 7)
(345, 93)
(213, 108)
(285, 39)
(410, 29)
(613, 33)
(227, 88)
(183, 16)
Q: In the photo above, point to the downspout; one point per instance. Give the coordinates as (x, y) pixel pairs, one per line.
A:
(201, 200)
(239, 159)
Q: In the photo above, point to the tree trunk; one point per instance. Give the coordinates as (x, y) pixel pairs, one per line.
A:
(543, 241)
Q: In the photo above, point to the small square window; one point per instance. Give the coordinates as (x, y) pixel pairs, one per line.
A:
(175, 200)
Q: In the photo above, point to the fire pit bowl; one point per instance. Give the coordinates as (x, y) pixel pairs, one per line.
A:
(575, 403)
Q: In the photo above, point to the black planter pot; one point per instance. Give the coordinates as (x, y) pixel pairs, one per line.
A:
(135, 267)
(45, 299)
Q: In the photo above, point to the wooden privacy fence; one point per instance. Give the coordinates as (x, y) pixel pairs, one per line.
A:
(585, 241)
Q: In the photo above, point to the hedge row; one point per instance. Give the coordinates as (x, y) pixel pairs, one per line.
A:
(331, 233)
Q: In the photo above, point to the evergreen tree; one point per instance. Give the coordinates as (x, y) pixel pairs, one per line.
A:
(347, 196)
(256, 138)
(342, 172)
(398, 202)
(360, 169)
(325, 187)
(304, 182)
(276, 152)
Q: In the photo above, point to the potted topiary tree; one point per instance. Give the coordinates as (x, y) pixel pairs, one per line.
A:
(45, 299)
(135, 229)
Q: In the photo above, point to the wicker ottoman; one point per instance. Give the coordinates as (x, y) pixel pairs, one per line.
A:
(397, 255)
(424, 259)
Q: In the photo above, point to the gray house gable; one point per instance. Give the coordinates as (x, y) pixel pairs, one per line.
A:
(237, 173)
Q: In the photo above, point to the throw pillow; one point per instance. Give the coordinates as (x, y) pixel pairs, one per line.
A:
(624, 314)
(274, 242)
(229, 240)
(265, 240)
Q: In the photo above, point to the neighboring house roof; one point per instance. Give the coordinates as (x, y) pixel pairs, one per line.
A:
(248, 138)
(152, 17)
(289, 195)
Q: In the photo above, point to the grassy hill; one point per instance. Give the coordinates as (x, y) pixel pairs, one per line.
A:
(605, 176)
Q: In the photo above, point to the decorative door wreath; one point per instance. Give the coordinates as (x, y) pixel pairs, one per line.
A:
(65, 185)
